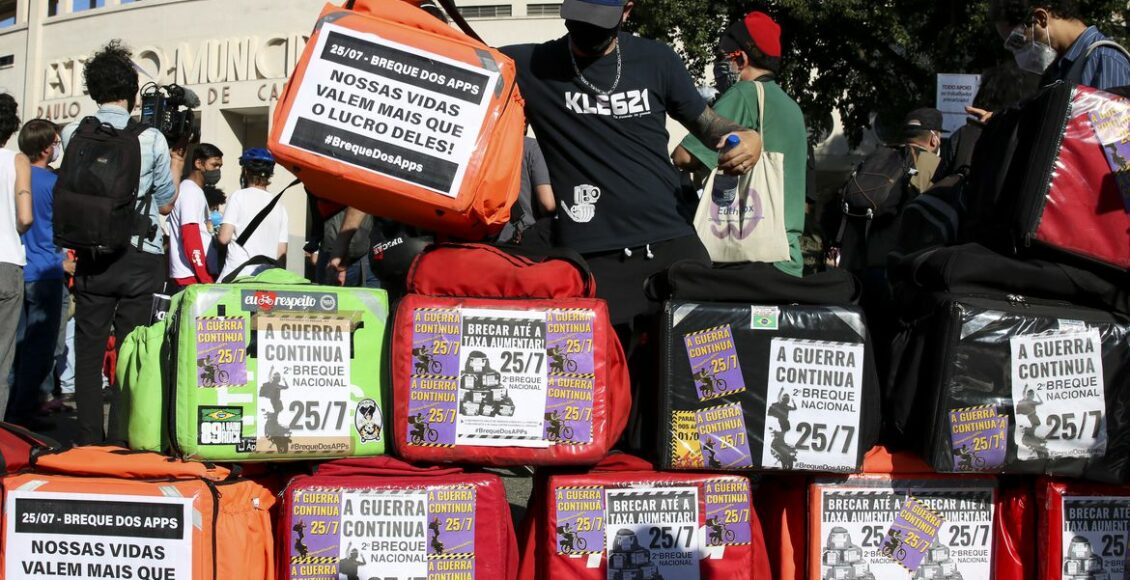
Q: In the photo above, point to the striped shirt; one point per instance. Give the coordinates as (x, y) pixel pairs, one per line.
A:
(1105, 69)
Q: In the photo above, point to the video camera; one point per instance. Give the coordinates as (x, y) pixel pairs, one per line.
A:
(169, 109)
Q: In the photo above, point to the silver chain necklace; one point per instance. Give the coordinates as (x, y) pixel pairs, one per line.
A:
(589, 85)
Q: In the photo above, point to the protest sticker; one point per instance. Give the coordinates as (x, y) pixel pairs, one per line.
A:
(390, 534)
(1058, 395)
(221, 352)
(572, 375)
(723, 437)
(503, 379)
(727, 505)
(979, 438)
(855, 521)
(714, 363)
(686, 447)
(580, 519)
(764, 317)
(912, 534)
(274, 301)
(812, 418)
(1112, 127)
(955, 92)
(390, 109)
(1096, 533)
(304, 392)
(652, 533)
(434, 385)
(71, 535)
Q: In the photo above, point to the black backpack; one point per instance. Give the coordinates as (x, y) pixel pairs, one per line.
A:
(96, 196)
(870, 201)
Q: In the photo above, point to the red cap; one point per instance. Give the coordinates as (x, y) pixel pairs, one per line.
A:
(765, 33)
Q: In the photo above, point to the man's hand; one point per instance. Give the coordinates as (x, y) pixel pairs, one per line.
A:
(742, 158)
(336, 271)
(980, 114)
(69, 265)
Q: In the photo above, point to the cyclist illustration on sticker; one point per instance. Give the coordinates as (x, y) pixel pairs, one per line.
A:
(425, 363)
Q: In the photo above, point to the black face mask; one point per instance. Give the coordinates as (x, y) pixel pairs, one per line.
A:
(589, 39)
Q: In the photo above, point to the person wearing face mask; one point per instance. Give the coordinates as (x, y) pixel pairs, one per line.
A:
(598, 101)
(752, 52)
(189, 239)
(40, 319)
(1049, 38)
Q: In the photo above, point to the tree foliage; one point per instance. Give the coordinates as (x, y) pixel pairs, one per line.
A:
(870, 60)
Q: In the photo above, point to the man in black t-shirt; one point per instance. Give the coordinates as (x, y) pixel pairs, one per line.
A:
(598, 100)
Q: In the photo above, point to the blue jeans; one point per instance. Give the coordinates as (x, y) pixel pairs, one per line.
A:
(35, 350)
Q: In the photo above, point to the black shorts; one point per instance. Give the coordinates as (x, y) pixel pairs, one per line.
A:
(620, 278)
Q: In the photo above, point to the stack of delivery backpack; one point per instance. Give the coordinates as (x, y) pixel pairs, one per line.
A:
(1014, 351)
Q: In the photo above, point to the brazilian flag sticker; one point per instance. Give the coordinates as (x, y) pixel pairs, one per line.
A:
(764, 317)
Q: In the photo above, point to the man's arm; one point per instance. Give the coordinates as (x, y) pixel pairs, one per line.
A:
(227, 232)
(545, 197)
(684, 160)
(25, 214)
(349, 226)
(710, 127)
(164, 186)
(193, 248)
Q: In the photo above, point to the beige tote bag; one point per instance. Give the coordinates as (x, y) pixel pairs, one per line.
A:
(752, 228)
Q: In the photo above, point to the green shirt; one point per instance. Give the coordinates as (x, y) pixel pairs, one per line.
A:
(783, 133)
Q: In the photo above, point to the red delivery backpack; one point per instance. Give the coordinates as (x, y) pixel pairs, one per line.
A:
(624, 520)
(109, 512)
(1084, 530)
(500, 359)
(1052, 179)
(379, 517)
(978, 527)
(394, 112)
(18, 446)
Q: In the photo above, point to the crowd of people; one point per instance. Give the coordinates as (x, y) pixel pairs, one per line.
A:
(599, 180)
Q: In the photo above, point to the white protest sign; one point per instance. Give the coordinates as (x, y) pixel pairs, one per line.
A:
(76, 535)
(955, 92)
(1058, 395)
(652, 533)
(812, 419)
(304, 368)
(389, 108)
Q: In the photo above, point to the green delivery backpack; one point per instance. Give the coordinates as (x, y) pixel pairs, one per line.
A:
(267, 368)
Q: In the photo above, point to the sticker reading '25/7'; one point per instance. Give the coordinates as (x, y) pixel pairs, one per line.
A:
(714, 362)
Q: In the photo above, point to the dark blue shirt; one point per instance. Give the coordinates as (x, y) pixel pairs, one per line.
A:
(1105, 69)
(44, 261)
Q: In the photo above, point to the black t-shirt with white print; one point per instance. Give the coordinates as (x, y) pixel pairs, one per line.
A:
(607, 155)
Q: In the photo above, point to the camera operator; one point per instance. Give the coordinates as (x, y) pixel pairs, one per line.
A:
(116, 289)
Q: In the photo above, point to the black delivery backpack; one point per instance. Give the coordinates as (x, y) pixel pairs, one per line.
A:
(990, 379)
(763, 370)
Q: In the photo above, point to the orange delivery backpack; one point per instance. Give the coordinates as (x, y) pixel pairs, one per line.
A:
(378, 517)
(108, 512)
(625, 521)
(395, 113)
(502, 358)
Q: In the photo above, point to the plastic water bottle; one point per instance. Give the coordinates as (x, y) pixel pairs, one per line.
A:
(726, 186)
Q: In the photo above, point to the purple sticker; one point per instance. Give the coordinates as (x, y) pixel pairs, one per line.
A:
(727, 511)
(433, 388)
(580, 520)
(451, 532)
(221, 353)
(315, 534)
(714, 363)
(569, 349)
(912, 533)
(725, 441)
(980, 438)
(1112, 127)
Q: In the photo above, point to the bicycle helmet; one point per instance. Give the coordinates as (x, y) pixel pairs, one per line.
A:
(258, 161)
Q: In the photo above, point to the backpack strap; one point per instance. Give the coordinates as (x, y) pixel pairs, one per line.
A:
(1075, 73)
(262, 215)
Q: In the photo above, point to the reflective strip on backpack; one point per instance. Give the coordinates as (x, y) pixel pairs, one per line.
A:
(32, 485)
